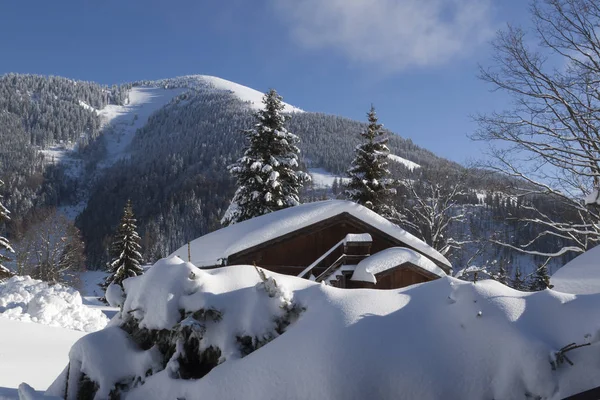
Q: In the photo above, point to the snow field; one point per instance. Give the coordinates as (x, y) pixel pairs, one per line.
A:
(32, 352)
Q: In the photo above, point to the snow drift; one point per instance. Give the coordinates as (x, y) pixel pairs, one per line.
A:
(30, 300)
(581, 275)
(442, 339)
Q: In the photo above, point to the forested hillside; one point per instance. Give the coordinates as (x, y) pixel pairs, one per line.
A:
(174, 171)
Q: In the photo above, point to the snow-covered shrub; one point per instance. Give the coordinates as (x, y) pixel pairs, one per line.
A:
(181, 320)
(26, 299)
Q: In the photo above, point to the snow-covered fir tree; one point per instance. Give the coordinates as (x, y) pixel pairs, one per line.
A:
(369, 183)
(4, 244)
(127, 250)
(267, 174)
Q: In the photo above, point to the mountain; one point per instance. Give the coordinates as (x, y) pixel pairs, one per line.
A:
(85, 149)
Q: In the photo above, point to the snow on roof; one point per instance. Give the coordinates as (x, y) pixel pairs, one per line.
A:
(389, 258)
(210, 249)
(357, 238)
(579, 276)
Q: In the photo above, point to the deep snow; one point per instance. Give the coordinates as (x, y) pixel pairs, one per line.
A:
(441, 339)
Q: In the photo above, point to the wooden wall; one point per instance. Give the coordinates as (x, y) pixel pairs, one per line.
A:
(401, 276)
(293, 253)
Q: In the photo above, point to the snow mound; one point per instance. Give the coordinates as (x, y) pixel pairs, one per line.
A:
(210, 249)
(407, 163)
(442, 339)
(30, 300)
(581, 275)
(389, 258)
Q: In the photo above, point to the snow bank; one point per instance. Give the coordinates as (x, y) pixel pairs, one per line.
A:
(389, 258)
(442, 339)
(30, 300)
(581, 275)
(210, 249)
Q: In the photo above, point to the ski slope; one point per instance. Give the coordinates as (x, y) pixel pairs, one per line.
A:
(322, 179)
(121, 122)
(407, 163)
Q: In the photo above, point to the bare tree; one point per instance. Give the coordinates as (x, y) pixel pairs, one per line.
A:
(51, 250)
(549, 139)
(431, 204)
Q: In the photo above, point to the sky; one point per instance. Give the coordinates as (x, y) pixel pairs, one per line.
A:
(416, 61)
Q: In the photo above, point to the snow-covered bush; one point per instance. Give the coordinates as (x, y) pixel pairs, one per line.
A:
(179, 320)
(26, 299)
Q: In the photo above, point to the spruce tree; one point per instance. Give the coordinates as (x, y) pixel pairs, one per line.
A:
(267, 175)
(4, 243)
(126, 248)
(369, 182)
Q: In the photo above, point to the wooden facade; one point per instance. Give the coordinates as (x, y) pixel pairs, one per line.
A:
(400, 276)
(292, 253)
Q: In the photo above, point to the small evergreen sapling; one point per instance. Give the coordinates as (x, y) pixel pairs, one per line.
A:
(369, 182)
(540, 279)
(5, 246)
(518, 281)
(126, 246)
(267, 174)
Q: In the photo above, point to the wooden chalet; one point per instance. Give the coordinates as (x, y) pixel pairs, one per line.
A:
(332, 241)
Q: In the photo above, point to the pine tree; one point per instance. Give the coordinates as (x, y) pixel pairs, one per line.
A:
(126, 248)
(540, 279)
(518, 281)
(4, 244)
(267, 175)
(369, 185)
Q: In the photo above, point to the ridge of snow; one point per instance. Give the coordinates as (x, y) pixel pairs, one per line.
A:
(460, 340)
(580, 275)
(407, 163)
(211, 248)
(389, 258)
(246, 94)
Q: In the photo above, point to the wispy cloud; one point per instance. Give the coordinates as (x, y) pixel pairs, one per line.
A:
(393, 34)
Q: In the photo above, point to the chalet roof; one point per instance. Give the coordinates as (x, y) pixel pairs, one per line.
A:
(209, 249)
(390, 258)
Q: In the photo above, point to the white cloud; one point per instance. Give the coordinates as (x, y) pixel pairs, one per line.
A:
(394, 34)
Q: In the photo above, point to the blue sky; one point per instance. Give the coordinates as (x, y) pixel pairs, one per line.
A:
(415, 60)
